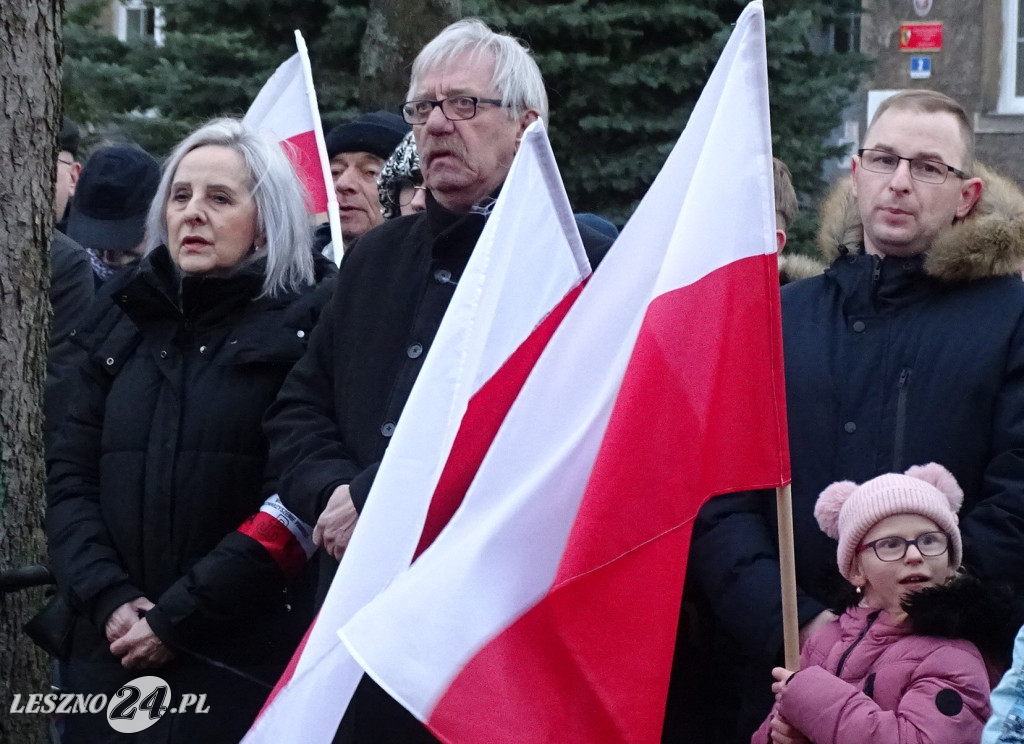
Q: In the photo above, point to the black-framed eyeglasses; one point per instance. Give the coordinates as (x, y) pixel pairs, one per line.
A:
(456, 108)
(66, 162)
(921, 169)
(888, 549)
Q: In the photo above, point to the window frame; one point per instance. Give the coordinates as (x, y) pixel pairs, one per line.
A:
(1009, 102)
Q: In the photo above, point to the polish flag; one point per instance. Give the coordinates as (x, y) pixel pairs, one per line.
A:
(526, 270)
(286, 109)
(547, 608)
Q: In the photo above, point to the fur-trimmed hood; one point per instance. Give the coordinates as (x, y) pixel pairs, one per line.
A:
(988, 242)
(988, 616)
(794, 266)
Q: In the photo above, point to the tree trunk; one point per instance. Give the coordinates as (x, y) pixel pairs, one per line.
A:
(396, 30)
(29, 94)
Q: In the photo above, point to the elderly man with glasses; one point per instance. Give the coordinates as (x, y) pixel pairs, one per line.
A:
(472, 94)
(908, 350)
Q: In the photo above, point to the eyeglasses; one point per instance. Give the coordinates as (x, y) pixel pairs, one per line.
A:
(921, 169)
(66, 162)
(456, 108)
(888, 549)
(407, 193)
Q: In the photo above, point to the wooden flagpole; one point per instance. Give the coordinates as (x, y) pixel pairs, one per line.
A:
(787, 566)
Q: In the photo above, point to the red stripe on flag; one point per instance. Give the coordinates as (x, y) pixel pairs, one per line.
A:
(484, 415)
(302, 151)
(701, 411)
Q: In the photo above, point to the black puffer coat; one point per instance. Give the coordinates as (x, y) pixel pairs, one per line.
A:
(160, 460)
(889, 363)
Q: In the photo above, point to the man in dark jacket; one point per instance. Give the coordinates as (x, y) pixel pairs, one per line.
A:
(908, 350)
(337, 410)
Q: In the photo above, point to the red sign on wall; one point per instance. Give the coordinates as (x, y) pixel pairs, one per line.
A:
(921, 37)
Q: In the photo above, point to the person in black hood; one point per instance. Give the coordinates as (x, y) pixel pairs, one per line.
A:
(162, 455)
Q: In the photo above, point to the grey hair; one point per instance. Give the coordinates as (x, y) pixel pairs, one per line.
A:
(516, 75)
(281, 217)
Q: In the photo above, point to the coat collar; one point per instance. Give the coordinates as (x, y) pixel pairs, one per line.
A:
(988, 242)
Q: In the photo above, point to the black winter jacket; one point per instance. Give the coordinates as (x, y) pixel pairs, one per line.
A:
(160, 460)
(71, 295)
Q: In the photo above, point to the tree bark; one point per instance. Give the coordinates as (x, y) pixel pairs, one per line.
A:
(29, 94)
(396, 30)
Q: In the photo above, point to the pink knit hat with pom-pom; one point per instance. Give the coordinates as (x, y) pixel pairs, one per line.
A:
(846, 512)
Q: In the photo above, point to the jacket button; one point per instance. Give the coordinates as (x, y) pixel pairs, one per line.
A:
(387, 429)
(163, 354)
(110, 361)
(300, 334)
(202, 349)
(849, 427)
(414, 351)
(858, 326)
(442, 276)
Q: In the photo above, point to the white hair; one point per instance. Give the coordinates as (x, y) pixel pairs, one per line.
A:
(281, 216)
(516, 75)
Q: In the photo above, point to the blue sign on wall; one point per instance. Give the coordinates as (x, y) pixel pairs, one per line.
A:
(920, 67)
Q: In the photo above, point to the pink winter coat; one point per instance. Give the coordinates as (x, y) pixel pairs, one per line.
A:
(865, 680)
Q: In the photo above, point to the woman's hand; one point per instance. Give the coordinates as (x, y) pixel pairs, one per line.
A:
(140, 648)
(124, 617)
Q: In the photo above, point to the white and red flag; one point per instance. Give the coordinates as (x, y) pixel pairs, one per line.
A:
(526, 270)
(286, 109)
(547, 608)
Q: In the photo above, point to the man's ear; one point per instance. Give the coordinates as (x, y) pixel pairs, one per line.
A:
(526, 120)
(970, 193)
(74, 171)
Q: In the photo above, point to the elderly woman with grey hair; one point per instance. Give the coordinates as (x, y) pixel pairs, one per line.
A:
(161, 457)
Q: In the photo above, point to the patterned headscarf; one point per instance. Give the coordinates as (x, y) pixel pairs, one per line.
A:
(402, 168)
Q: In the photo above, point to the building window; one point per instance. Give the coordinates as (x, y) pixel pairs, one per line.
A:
(137, 21)
(1011, 83)
(840, 33)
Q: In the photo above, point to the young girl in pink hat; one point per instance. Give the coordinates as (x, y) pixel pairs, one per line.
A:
(872, 675)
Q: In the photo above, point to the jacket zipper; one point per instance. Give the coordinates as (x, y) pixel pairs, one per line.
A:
(901, 419)
(860, 637)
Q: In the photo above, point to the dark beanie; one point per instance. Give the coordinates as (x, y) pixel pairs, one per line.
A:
(378, 134)
(111, 201)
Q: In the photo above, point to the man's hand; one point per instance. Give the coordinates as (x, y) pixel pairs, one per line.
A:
(337, 523)
(818, 622)
(140, 648)
(124, 617)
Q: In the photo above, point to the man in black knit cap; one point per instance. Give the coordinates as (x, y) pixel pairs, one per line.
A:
(357, 151)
